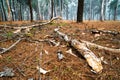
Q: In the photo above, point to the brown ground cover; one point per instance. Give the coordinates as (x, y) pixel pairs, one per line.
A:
(26, 55)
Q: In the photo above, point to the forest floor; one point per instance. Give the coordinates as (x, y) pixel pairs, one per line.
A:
(27, 55)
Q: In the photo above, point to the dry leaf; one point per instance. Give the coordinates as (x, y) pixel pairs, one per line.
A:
(42, 70)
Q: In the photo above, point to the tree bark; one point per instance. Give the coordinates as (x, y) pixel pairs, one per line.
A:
(5, 17)
(90, 10)
(80, 11)
(52, 7)
(115, 12)
(31, 12)
(9, 13)
(102, 10)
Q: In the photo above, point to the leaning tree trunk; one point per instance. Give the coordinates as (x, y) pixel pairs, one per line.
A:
(80, 10)
(31, 12)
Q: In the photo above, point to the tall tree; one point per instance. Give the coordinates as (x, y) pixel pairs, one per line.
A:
(31, 12)
(90, 9)
(4, 16)
(102, 10)
(52, 7)
(9, 13)
(80, 10)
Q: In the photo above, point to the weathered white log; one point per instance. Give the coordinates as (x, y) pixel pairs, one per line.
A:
(91, 58)
(100, 47)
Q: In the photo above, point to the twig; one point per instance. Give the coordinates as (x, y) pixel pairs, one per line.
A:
(19, 70)
(7, 49)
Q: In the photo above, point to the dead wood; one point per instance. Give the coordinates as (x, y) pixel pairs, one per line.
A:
(28, 28)
(96, 31)
(91, 58)
(100, 47)
(13, 45)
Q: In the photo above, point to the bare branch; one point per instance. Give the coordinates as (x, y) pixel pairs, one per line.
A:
(7, 49)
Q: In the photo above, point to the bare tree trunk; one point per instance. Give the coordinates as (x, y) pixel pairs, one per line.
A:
(9, 13)
(90, 10)
(31, 12)
(38, 11)
(61, 4)
(3, 8)
(52, 7)
(80, 11)
(115, 12)
(102, 10)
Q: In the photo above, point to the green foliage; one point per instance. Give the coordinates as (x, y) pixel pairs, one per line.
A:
(9, 35)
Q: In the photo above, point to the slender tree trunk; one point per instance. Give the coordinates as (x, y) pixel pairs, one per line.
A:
(102, 10)
(9, 13)
(38, 11)
(67, 12)
(90, 10)
(52, 8)
(1, 12)
(5, 16)
(115, 11)
(61, 4)
(31, 12)
(21, 12)
(80, 11)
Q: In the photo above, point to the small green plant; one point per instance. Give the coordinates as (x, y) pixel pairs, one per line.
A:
(28, 34)
(9, 35)
(8, 58)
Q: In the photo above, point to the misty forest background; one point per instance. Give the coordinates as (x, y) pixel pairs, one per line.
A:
(17, 10)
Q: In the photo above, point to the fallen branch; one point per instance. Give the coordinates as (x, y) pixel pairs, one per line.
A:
(91, 58)
(7, 49)
(100, 47)
(28, 28)
(94, 31)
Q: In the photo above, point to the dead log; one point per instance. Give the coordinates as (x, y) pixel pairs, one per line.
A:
(96, 31)
(100, 47)
(91, 58)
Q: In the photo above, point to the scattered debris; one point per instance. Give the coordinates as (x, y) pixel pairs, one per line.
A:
(46, 52)
(70, 52)
(102, 59)
(0, 56)
(93, 71)
(54, 43)
(91, 58)
(42, 70)
(118, 58)
(8, 72)
(31, 79)
(60, 55)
